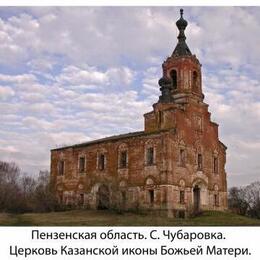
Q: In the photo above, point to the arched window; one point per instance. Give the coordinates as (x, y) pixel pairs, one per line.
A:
(182, 196)
(216, 195)
(101, 162)
(182, 157)
(82, 164)
(195, 80)
(215, 165)
(182, 192)
(122, 156)
(61, 167)
(199, 162)
(150, 156)
(173, 75)
(182, 154)
(123, 159)
(216, 200)
(215, 161)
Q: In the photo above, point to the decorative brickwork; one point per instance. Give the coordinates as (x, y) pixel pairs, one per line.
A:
(176, 165)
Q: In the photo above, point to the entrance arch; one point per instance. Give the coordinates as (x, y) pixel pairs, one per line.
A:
(103, 199)
(199, 195)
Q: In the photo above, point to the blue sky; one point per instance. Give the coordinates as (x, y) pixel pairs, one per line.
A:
(68, 75)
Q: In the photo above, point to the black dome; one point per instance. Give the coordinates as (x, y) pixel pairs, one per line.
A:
(181, 23)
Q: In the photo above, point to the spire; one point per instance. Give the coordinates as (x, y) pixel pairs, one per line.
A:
(182, 48)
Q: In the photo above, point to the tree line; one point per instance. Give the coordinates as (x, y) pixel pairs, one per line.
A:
(20, 192)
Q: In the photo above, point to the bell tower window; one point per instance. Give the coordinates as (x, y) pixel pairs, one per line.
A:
(173, 75)
(195, 81)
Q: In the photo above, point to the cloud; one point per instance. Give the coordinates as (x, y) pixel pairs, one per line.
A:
(75, 76)
(234, 104)
(39, 65)
(150, 82)
(6, 92)
(18, 79)
(91, 76)
(40, 108)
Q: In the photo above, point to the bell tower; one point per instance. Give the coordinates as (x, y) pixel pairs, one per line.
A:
(181, 80)
(180, 84)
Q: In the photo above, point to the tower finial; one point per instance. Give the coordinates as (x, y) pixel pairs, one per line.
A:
(181, 12)
(181, 48)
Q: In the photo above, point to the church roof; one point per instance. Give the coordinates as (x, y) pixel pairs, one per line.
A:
(97, 141)
(108, 139)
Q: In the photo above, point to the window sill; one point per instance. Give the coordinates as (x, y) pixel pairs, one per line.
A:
(123, 168)
(150, 165)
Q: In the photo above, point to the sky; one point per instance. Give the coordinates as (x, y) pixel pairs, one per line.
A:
(73, 74)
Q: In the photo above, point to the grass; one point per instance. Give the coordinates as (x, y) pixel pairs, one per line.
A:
(109, 218)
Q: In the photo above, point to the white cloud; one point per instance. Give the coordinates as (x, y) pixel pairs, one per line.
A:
(39, 109)
(92, 77)
(32, 97)
(35, 123)
(120, 76)
(150, 82)
(18, 79)
(8, 149)
(75, 76)
(41, 65)
(6, 92)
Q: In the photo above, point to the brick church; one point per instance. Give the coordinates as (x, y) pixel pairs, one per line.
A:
(175, 165)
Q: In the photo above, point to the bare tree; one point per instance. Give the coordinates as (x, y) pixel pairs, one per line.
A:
(245, 200)
(20, 192)
(45, 199)
(236, 201)
(10, 192)
(252, 196)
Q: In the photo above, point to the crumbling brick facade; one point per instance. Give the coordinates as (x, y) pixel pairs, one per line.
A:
(176, 165)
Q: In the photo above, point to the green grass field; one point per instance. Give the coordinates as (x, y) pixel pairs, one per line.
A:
(108, 218)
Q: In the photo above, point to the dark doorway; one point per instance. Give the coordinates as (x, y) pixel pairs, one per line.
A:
(151, 197)
(103, 197)
(123, 199)
(81, 199)
(196, 197)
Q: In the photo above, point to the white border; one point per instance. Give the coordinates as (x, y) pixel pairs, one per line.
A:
(129, 3)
